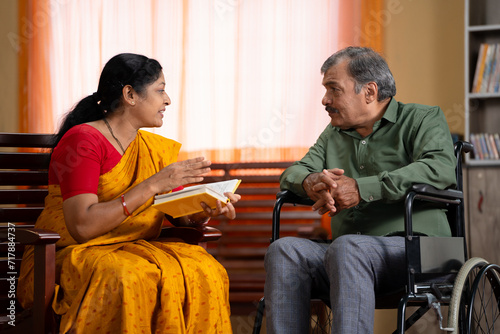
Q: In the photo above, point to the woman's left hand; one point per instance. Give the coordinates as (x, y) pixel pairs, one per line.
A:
(227, 210)
(202, 218)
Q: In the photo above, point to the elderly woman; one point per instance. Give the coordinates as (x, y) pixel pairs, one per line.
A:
(104, 172)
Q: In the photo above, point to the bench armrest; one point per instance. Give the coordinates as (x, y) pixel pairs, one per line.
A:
(191, 235)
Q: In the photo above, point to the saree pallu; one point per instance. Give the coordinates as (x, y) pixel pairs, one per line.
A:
(122, 283)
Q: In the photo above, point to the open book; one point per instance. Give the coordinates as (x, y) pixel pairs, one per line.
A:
(187, 201)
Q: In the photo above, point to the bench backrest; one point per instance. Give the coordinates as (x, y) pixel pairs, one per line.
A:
(24, 161)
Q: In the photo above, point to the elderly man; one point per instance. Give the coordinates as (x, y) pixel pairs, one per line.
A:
(358, 172)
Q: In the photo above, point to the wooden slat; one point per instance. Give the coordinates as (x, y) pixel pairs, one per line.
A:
(25, 140)
(257, 190)
(4, 248)
(251, 165)
(25, 160)
(12, 265)
(263, 203)
(242, 252)
(284, 216)
(24, 178)
(244, 178)
(20, 214)
(262, 227)
(24, 196)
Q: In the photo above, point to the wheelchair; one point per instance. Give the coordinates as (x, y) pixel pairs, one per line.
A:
(472, 294)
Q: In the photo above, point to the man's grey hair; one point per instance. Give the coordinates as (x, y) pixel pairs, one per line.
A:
(365, 65)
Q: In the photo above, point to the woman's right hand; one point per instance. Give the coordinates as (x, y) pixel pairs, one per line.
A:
(180, 173)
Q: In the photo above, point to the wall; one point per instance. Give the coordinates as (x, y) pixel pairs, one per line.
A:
(424, 46)
(8, 67)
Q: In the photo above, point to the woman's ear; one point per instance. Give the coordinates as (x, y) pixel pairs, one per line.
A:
(129, 95)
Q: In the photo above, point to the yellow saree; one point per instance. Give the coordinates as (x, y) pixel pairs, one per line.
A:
(122, 282)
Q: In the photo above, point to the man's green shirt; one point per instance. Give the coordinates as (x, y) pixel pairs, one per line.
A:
(410, 144)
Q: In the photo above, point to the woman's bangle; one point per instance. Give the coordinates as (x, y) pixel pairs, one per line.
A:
(125, 206)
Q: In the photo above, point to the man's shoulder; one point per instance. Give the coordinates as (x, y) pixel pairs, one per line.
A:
(417, 107)
(416, 110)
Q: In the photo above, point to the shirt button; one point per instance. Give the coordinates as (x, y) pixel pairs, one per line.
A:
(363, 142)
(356, 207)
(370, 198)
(361, 167)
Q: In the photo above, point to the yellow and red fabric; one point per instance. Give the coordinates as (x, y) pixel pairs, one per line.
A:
(122, 282)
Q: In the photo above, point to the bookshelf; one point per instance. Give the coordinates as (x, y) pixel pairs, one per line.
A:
(482, 107)
(482, 116)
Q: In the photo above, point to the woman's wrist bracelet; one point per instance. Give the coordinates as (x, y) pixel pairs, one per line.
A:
(125, 209)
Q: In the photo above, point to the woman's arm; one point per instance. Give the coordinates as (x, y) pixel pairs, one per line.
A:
(86, 218)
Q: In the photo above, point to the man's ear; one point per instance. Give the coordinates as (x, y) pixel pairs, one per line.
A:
(371, 92)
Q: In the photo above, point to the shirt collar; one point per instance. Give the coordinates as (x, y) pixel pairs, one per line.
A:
(390, 115)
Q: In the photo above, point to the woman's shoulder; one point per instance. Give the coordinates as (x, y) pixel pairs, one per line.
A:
(85, 130)
(82, 135)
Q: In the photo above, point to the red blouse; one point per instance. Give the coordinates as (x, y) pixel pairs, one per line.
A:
(82, 155)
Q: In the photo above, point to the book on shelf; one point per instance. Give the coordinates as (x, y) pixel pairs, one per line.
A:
(187, 201)
(495, 72)
(488, 62)
(478, 76)
(486, 146)
(487, 73)
(478, 155)
(494, 150)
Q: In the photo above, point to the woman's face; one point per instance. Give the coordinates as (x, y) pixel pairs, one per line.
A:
(151, 106)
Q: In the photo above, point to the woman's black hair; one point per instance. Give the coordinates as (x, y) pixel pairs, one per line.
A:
(123, 69)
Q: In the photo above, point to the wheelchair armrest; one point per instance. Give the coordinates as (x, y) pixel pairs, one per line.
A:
(428, 193)
(426, 189)
(282, 197)
(287, 196)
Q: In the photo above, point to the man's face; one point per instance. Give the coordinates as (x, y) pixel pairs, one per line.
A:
(346, 109)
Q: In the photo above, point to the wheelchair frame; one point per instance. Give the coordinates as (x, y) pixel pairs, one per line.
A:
(422, 260)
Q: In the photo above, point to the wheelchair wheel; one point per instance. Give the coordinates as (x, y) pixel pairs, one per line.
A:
(461, 293)
(474, 305)
(483, 314)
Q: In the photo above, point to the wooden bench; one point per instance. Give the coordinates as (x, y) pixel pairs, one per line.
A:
(24, 161)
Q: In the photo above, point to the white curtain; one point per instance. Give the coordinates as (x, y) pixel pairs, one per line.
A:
(243, 75)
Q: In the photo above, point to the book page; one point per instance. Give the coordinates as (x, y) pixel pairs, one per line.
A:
(223, 186)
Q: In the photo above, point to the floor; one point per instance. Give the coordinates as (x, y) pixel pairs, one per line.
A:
(385, 322)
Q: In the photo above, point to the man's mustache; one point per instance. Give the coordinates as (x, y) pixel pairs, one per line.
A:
(331, 109)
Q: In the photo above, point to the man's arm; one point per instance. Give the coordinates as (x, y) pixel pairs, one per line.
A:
(307, 177)
(433, 162)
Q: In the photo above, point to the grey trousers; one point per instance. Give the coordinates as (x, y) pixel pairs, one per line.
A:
(348, 272)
